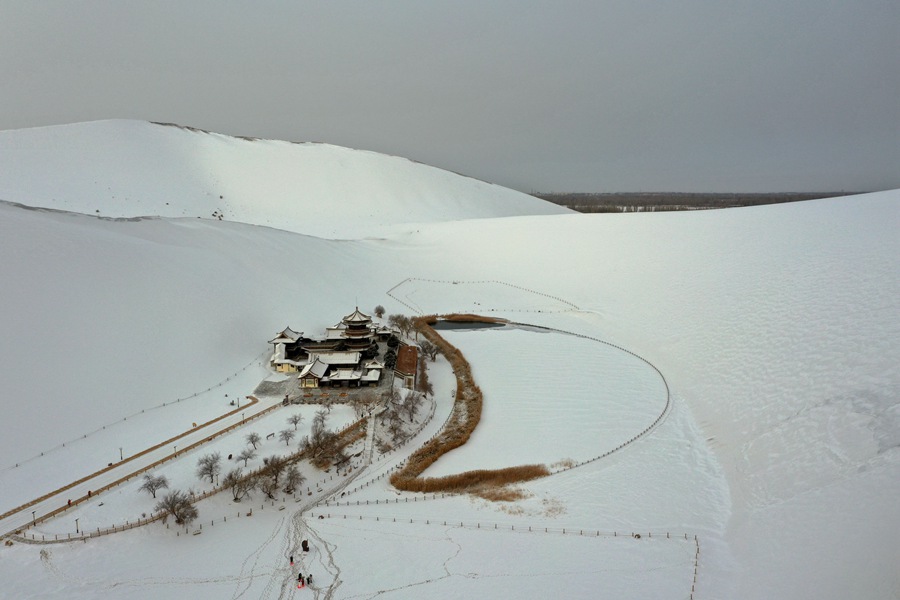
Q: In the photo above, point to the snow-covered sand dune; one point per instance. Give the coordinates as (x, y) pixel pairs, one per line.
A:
(775, 327)
(122, 168)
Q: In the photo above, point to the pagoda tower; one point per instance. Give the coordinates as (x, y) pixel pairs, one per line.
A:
(358, 331)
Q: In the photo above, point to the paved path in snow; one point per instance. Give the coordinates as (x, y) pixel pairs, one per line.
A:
(56, 502)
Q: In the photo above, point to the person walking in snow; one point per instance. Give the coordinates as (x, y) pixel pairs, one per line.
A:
(292, 560)
(299, 580)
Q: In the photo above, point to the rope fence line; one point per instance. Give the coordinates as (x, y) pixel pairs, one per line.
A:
(489, 526)
(494, 281)
(102, 531)
(696, 566)
(125, 418)
(665, 411)
(82, 535)
(581, 532)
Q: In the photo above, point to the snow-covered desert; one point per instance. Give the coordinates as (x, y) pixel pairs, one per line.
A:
(715, 393)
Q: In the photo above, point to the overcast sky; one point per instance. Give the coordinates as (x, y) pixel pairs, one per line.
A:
(605, 95)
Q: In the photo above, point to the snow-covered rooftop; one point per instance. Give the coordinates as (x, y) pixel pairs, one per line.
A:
(316, 368)
(335, 358)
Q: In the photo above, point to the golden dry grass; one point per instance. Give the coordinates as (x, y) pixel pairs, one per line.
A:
(462, 422)
(566, 463)
(499, 494)
(473, 480)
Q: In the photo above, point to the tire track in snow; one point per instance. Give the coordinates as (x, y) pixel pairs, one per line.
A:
(105, 584)
(255, 555)
(294, 538)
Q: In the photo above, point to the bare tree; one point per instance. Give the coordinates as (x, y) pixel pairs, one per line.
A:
(324, 445)
(395, 398)
(429, 349)
(319, 419)
(396, 427)
(379, 311)
(177, 504)
(253, 439)
(295, 420)
(364, 404)
(246, 455)
(286, 435)
(358, 406)
(274, 467)
(316, 440)
(397, 431)
(321, 442)
(411, 404)
(209, 466)
(292, 479)
(334, 450)
(401, 322)
(267, 485)
(153, 483)
(317, 434)
(239, 484)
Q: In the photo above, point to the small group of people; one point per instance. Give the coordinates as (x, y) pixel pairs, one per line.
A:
(302, 581)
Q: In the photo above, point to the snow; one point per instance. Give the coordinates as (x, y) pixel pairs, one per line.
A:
(581, 398)
(122, 168)
(774, 327)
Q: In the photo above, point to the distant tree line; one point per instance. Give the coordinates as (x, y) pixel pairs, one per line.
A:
(667, 201)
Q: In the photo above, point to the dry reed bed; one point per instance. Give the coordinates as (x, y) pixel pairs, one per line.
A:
(463, 419)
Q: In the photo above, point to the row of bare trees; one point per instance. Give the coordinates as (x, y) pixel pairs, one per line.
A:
(277, 472)
(323, 445)
(401, 322)
(176, 503)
